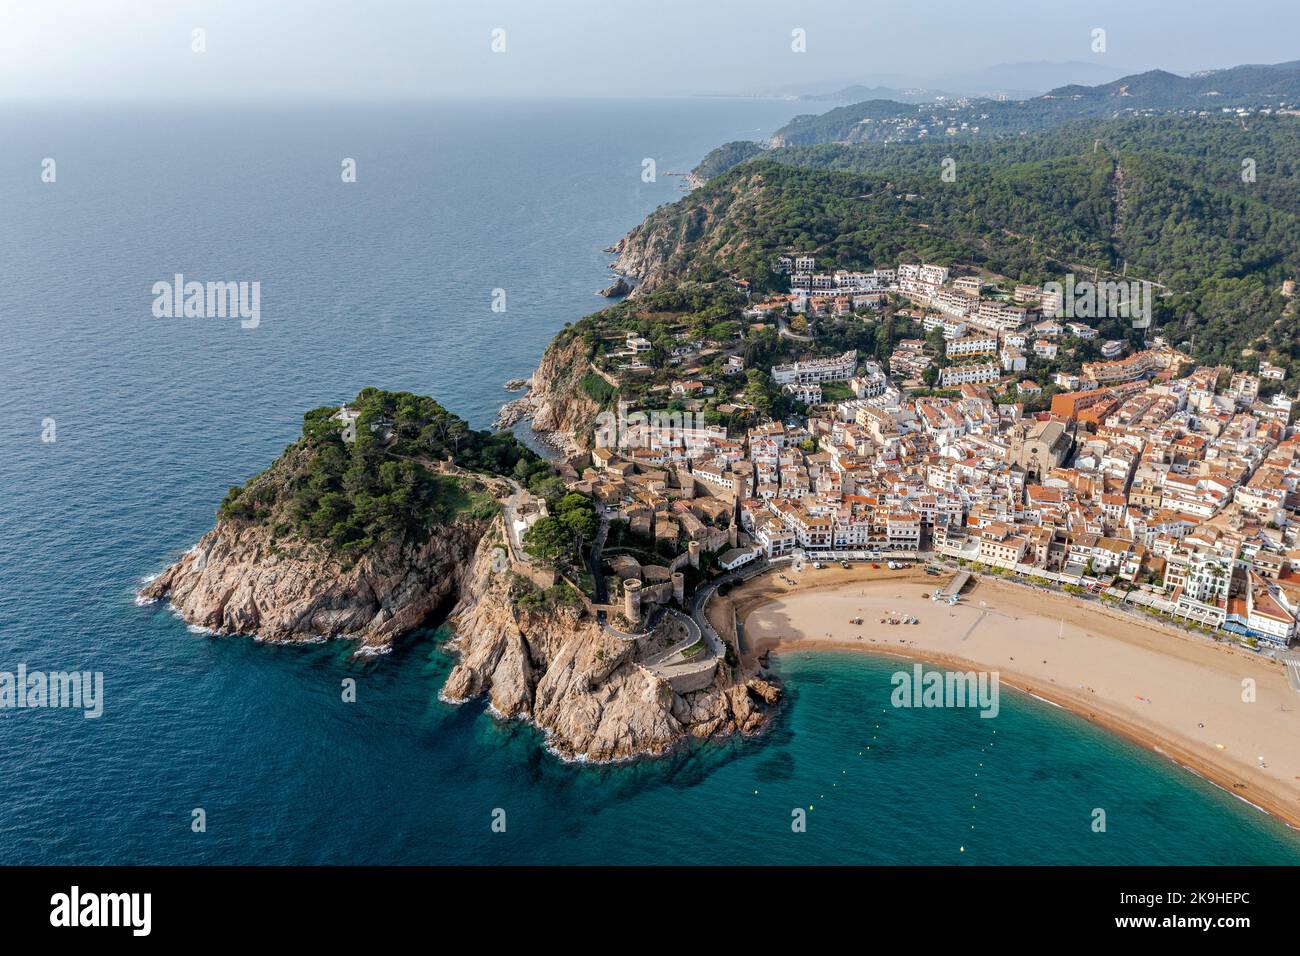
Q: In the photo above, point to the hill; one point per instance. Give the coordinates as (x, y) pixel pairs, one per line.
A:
(1163, 198)
(401, 468)
(1251, 87)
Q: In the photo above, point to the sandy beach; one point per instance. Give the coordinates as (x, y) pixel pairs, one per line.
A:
(1177, 693)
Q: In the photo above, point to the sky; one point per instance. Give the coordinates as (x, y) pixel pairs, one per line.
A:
(420, 49)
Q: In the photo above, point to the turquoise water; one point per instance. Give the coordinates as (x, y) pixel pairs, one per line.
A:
(388, 282)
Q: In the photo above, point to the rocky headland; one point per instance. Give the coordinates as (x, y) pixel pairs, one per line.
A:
(241, 579)
(557, 404)
(585, 685)
(380, 518)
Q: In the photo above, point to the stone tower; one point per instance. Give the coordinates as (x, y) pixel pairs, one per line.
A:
(632, 600)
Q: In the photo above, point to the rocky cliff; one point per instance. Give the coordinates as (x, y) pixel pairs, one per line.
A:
(582, 685)
(616, 289)
(559, 406)
(359, 529)
(239, 579)
(690, 233)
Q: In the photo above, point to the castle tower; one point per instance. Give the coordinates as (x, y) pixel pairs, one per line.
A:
(693, 549)
(679, 588)
(731, 534)
(687, 482)
(632, 600)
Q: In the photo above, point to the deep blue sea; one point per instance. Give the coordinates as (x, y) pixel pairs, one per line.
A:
(388, 282)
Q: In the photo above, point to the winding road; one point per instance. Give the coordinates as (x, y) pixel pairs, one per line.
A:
(784, 329)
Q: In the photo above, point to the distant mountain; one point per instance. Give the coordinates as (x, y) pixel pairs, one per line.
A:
(1017, 81)
(1030, 78)
(1161, 89)
(857, 93)
(1252, 87)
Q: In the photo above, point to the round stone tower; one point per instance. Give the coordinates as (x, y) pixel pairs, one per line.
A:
(679, 588)
(693, 549)
(632, 600)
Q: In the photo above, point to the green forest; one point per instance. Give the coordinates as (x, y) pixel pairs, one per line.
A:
(375, 482)
(1169, 199)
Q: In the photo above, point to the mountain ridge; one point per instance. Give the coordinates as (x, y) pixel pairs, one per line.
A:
(1254, 87)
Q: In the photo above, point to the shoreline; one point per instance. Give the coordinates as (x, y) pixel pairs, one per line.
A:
(1268, 791)
(1133, 733)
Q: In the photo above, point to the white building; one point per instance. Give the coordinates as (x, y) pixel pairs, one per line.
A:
(838, 369)
(974, 374)
(972, 345)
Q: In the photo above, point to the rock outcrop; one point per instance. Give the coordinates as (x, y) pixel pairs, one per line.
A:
(680, 237)
(764, 690)
(558, 405)
(239, 579)
(617, 289)
(349, 535)
(552, 664)
(558, 668)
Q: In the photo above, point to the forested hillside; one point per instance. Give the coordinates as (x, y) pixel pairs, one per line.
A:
(1156, 91)
(1169, 199)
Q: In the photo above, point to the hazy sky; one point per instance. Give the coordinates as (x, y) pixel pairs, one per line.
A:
(433, 48)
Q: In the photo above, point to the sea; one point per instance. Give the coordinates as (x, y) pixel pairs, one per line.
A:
(122, 430)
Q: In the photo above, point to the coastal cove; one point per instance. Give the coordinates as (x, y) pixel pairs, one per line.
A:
(1175, 694)
(373, 289)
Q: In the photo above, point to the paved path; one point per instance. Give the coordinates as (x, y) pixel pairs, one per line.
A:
(1291, 660)
(595, 562)
(509, 513)
(651, 623)
(703, 594)
(701, 662)
(784, 329)
(509, 507)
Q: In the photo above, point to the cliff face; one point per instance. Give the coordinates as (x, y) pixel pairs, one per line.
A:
(559, 407)
(238, 580)
(581, 684)
(686, 234)
(654, 251)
